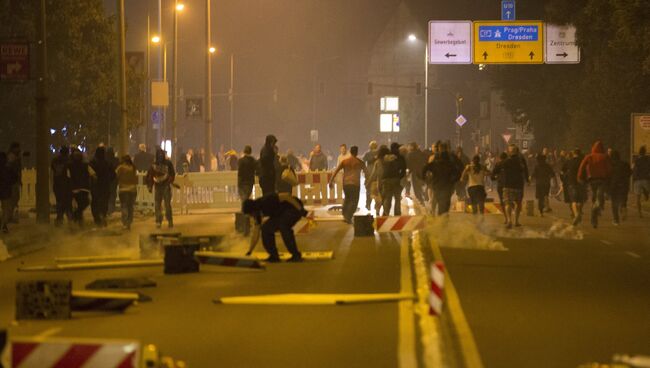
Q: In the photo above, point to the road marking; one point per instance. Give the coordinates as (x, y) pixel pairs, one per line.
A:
(47, 333)
(313, 299)
(633, 255)
(406, 352)
(606, 242)
(470, 354)
(429, 325)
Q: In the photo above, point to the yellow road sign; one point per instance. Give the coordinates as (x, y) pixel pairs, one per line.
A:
(511, 42)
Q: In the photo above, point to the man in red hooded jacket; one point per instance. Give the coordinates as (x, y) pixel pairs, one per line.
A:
(596, 169)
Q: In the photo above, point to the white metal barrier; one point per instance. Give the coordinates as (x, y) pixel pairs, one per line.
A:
(210, 190)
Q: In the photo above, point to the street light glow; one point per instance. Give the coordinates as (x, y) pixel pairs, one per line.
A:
(155, 39)
(180, 6)
(212, 49)
(412, 38)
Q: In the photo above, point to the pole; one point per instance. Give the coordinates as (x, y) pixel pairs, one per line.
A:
(459, 101)
(42, 167)
(124, 139)
(208, 91)
(174, 84)
(426, 95)
(160, 132)
(163, 130)
(147, 97)
(232, 97)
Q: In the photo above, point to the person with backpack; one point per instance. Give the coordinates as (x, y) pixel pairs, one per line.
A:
(475, 175)
(443, 176)
(542, 174)
(641, 178)
(619, 186)
(127, 181)
(394, 170)
(352, 168)
(61, 185)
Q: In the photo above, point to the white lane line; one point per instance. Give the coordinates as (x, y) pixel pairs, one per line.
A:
(406, 352)
(606, 242)
(633, 255)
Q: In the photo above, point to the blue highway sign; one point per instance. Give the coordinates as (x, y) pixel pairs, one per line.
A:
(515, 33)
(508, 10)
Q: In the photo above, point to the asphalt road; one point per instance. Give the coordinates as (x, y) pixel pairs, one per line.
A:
(183, 321)
(557, 302)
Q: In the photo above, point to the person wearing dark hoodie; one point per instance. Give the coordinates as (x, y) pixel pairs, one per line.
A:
(575, 191)
(100, 187)
(619, 187)
(267, 165)
(393, 171)
(641, 178)
(442, 176)
(596, 170)
(160, 177)
(498, 175)
(61, 185)
(543, 174)
(79, 173)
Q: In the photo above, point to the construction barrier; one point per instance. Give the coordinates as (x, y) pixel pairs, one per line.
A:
(437, 285)
(74, 353)
(399, 223)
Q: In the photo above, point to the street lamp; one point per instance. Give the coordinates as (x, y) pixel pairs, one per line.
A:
(212, 49)
(412, 38)
(179, 8)
(155, 39)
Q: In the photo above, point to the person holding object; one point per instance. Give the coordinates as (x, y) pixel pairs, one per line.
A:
(283, 211)
(161, 176)
(127, 180)
(352, 168)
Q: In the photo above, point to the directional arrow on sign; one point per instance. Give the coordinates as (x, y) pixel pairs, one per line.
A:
(485, 55)
(532, 55)
(13, 68)
(564, 54)
(448, 55)
(508, 14)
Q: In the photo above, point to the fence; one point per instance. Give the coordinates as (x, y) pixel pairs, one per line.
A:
(211, 190)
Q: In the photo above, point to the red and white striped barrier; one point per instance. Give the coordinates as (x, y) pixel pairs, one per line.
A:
(437, 287)
(74, 353)
(399, 223)
(313, 188)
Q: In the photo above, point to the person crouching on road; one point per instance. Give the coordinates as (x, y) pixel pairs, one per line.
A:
(161, 176)
(127, 181)
(283, 212)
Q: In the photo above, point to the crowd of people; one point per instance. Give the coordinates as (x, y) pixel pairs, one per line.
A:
(429, 176)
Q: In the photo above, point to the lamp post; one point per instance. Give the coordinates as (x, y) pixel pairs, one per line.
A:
(178, 7)
(208, 89)
(124, 137)
(413, 38)
(157, 41)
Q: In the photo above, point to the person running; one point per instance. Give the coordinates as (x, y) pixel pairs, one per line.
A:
(100, 186)
(461, 160)
(619, 186)
(317, 159)
(596, 170)
(641, 178)
(542, 174)
(267, 165)
(369, 159)
(575, 191)
(515, 173)
(474, 175)
(246, 174)
(498, 175)
(394, 169)
(443, 176)
(61, 185)
(283, 212)
(127, 181)
(352, 168)
(80, 174)
(160, 177)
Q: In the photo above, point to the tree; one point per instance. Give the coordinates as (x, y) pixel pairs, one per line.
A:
(82, 63)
